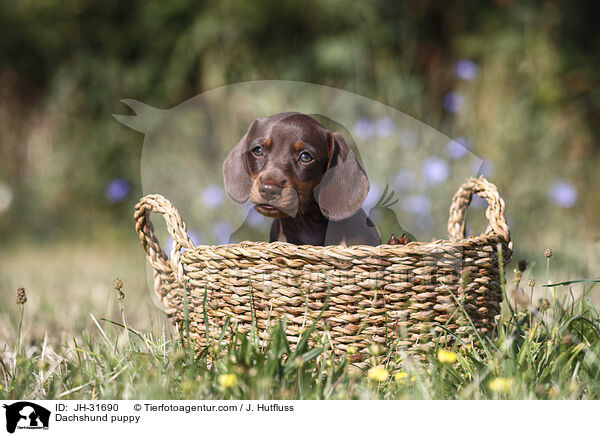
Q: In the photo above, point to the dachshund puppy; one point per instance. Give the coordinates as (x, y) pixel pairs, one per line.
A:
(303, 176)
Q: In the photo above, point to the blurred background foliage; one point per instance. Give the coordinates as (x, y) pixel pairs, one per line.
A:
(517, 81)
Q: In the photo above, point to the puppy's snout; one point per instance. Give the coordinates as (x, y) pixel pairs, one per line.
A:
(269, 191)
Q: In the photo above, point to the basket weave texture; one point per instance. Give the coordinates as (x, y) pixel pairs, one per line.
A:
(400, 296)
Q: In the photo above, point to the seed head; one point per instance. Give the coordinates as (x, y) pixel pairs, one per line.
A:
(548, 252)
(544, 304)
(522, 265)
(375, 349)
(118, 285)
(518, 275)
(531, 283)
(21, 296)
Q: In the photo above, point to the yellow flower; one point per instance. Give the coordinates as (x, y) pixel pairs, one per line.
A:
(354, 373)
(445, 356)
(187, 384)
(400, 377)
(378, 373)
(572, 387)
(500, 385)
(228, 380)
(375, 350)
(351, 349)
(178, 356)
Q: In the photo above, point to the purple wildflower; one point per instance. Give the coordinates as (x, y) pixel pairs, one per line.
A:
(458, 148)
(453, 102)
(477, 202)
(435, 170)
(385, 127)
(256, 219)
(417, 205)
(117, 190)
(403, 179)
(372, 197)
(465, 69)
(484, 167)
(194, 237)
(563, 194)
(363, 129)
(222, 232)
(212, 196)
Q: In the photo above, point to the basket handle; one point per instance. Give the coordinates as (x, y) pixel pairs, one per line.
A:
(494, 213)
(175, 226)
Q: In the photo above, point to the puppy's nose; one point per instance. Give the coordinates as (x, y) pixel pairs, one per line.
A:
(269, 191)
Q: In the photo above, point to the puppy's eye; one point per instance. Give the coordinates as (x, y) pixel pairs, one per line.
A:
(257, 151)
(305, 158)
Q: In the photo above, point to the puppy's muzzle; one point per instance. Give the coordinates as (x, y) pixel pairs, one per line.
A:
(274, 200)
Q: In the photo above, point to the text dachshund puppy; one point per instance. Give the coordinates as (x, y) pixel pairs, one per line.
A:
(305, 177)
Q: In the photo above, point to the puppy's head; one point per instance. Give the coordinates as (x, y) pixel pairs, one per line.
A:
(287, 161)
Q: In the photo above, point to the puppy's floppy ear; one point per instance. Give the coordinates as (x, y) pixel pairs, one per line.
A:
(236, 176)
(344, 185)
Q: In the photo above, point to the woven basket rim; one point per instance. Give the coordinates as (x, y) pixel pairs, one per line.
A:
(351, 252)
(412, 244)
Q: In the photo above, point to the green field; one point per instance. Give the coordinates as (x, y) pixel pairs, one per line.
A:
(70, 343)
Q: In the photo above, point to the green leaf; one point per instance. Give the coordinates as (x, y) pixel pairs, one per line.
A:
(571, 282)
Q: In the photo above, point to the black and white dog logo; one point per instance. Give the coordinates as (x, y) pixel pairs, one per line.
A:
(26, 415)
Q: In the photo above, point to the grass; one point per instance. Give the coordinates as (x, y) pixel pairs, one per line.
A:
(544, 350)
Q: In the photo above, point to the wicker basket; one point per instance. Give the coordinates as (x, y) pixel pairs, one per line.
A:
(404, 296)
